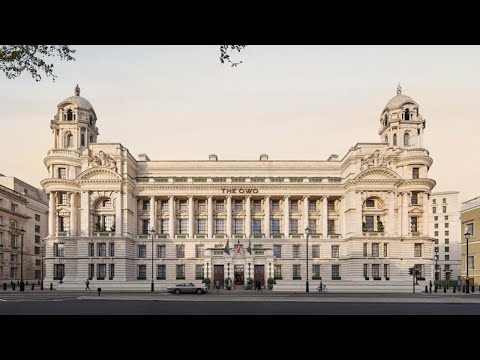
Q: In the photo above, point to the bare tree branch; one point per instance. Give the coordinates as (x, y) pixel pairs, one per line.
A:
(225, 57)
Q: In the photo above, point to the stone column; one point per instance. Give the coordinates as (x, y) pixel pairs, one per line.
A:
(405, 229)
(191, 218)
(118, 213)
(341, 217)
(266, 221)
(229, 216)
(51, 214)
(73, 214)
(359, 218)
(305, 216)
(286, 216)
(153, 214)
(210, 218)
(391, 214)
(171, 216)
(425, 215)
(325, 217)
(85, 216)
(248, 216)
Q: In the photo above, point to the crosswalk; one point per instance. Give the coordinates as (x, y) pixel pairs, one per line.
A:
(17, 296)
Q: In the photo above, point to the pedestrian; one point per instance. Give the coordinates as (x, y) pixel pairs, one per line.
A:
(87, 285)
(430, 284)
(321, 286)
(217, 285)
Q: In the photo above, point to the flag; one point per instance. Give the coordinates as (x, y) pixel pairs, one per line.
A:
(249, 249)
(239, 247)
(226, 250)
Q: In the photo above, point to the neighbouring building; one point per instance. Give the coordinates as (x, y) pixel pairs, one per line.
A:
(470, 217)
(445, 228)
(22, 206)
(367, 212)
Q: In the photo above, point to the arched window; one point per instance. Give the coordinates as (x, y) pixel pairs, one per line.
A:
(91, 138)
(386, 139)
(69, 115)
(407, 114)
(91, 120)
(82, 140)
(394, 139)
(69, 140)
(406, 139)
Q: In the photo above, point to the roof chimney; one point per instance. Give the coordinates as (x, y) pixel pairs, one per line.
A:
(213, 157)
(143, 157)
(264, 157)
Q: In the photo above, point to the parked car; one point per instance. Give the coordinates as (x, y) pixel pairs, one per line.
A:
(188, 288)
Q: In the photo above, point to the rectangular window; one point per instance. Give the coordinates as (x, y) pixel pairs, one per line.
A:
(315, 251)
(447, 257)
(275, 205)
(63, 198)
(293, 226)
(415, 172)
(199, 272)
(385, 250)
(444, 209)
(142, 251)
(13, 224)
(101, 271)
(165, 206)
(435, 226)
(37, 262)
(434, 209)
(330, 205)
(238, 205)
(277, 251)
(316, 272)
(37, 239)
(294, 206)
(331, 226)
(146, 205)
(161, 251)
(296, 251)
(13, 207)
(335, 272)
(386, 270)
(58, 250)
(365, 249)
(435, 233)
(257, 226)
(444, 200)
(180, 251)
(435, 218)
(164, 226)
(37, 228)
(375, 270)
(91, 249)
(62, 173)
(38, 274)
(202, 205)
(37, 250)
(275, 226)
(414, 197)
(64, 223)
(238, 226)
(335, 251)
(13, 273)
(414, 223)
(368, 223)
(370, 203)
(446, 225)
(277, 271)
(365, 270)
(220, 205)
(145, 226)
(447, 249)
(201, 226)
(219, 226)
(142, 272)
(161, 272)
(469, 229)
(312, 225)
(447, 267)
(13, 241)
(91, 271)
(375, 250)
(102, 249)
(418, 250)
(58, 271)
(297, 272)
(183, 226)
(112, 249)
(183, 205)
(111, 271)
(447, 233)
(180, 272)
(447, 241)
(199, 251)
(312, 205)
(257, 205)
(446, 217)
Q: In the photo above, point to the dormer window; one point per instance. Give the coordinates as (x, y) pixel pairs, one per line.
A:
(69, 115)
(91, 120)
(406, 115)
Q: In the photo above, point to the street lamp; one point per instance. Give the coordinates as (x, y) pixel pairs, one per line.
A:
(467, 236)
(436, 268)
(22, 285)
(42, 250)
(307, 232)
(153, 234)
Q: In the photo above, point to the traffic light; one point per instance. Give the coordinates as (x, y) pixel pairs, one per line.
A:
(410, 271)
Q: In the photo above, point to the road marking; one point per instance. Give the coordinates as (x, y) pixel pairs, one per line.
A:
(3, 300)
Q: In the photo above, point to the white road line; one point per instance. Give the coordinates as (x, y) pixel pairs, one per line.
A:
(3, 300)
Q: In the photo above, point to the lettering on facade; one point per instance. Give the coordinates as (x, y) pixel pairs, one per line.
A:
(239, 191)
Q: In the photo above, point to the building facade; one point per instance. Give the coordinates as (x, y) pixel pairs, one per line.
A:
(445, 228)
(367, 213)
(470, 217)
(22, 206)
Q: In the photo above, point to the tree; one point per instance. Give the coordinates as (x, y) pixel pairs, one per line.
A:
(225, 57)
(15, 59)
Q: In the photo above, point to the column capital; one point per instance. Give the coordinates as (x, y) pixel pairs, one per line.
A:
(209, 196)
(228, 196)
(305, 197)
(171, 196)
(267, 196)
(287, 197)
(248, 196)
(325, 197)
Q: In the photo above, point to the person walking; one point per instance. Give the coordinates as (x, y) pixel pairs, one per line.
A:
(217, 285)
(87, 285)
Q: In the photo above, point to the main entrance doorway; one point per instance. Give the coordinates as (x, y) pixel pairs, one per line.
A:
(239, 277)
(218, 275)
(259, 274)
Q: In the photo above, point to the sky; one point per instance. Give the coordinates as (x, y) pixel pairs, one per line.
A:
(290, 102)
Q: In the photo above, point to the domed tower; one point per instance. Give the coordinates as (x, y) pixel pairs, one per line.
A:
(401, 123)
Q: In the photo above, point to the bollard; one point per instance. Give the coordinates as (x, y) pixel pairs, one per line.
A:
(33, 286)
(4, 286)
(426, 289)
(473, 288)
(13, 286)
(436, 287)
(454, 289)
(444, 289)
(99, 290)
(41, 286)
(51, 286)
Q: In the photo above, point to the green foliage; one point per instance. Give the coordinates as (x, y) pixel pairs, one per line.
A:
(98, 227)
(380, 226)
(207, 281)
(271, 280)
(228, 281)
(225, 57)
(249, 280)
(15, 59)
(364, 226)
